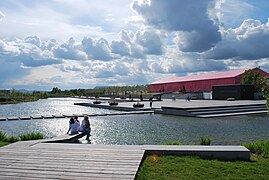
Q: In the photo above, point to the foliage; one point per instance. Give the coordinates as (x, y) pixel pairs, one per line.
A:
(259, 147)
(256, 79)
(173, 143)
(192, 167)
(13, 96)
(11, 139)
(205, 141)
(2, 136)
(31, 136)
(115, 91)
(3, 143)
(25, 137)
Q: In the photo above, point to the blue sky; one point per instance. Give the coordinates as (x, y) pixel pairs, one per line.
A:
(82, 44)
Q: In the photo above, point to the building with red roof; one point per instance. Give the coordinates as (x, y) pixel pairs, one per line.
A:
(200, 82)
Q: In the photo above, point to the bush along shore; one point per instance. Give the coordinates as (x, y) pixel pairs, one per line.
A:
(193, 167)
(5, 140)
(14, 97)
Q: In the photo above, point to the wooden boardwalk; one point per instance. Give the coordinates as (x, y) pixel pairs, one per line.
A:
(33, 160)
(48, 159)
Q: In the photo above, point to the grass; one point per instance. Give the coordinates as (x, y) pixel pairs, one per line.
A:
(3, 143)
(192, 167)
(24, 137)
(31, 136)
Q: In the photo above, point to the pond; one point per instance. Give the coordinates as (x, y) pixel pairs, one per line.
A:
(134, 129)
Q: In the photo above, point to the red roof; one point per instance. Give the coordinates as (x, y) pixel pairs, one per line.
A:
(206, 76)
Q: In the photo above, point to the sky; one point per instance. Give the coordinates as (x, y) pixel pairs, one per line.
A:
(73, 44)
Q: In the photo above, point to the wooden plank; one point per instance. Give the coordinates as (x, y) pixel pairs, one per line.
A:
(122, 171)
(63, 175)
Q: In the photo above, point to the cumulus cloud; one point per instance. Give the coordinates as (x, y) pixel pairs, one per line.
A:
(68, 50)
(35, 40)
(250, 41)
(1, 16)
(190, 17)
(150, 40)
(27, 52)
(120, 47)
(8, 49)
(97, 49)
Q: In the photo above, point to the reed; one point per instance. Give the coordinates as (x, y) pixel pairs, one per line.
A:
(31, 136)
(205, 141)
(2, 136)
(259, 147)
(172, 143)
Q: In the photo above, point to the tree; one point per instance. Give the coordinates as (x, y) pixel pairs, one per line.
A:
(255, 78)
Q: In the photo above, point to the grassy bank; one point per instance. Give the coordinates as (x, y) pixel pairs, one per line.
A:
(18, 100)
(4, 143)
(192, 167)
(4, 139)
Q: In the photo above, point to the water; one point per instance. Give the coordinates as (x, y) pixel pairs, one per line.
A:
(135, 129)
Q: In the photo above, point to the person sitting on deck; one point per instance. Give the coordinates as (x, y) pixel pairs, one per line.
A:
(73, 127)
(76, 120)
(86, 127)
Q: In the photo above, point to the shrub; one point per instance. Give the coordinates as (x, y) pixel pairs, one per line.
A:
(31, 136)
(173, 143)
(2, 136)
(205, 141)
(259, 147)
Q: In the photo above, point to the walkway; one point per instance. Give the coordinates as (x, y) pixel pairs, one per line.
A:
(50, 160)
(26, 160)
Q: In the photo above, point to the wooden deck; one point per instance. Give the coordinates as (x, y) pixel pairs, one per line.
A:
(48, 159)
(33, 160)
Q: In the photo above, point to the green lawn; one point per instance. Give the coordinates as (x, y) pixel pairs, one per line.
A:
(3, 143)
(192, 167)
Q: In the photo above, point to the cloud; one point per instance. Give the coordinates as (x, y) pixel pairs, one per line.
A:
(151, 41)
(97, 49)
(27, 52)
(69, 50)
(8, 49)
(1, 16)
(250, 41)
(120, 47)
(189, 17)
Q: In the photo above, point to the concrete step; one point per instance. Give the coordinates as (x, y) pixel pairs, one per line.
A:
(195, 109)
(229, 111)
(232, 114)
